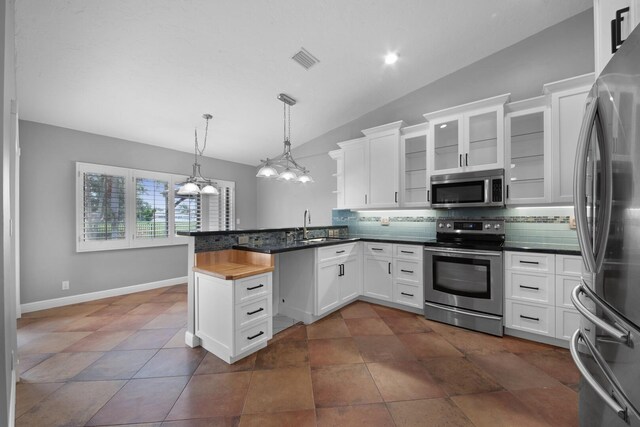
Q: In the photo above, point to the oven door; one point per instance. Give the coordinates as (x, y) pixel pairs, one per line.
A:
(467, 279)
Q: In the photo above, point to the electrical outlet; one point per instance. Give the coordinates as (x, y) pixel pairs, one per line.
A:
(572, 222)
(384, 220)
(65, 285)
(243, 240)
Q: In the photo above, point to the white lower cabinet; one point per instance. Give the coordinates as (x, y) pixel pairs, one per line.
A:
(338, 277)
(378, 280)
(537, 293)
(233, 317)
(393, 272)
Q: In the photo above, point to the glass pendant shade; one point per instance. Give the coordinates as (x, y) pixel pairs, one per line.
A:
(189, 189)
(266, 171)
(287, 175)
(209, 189)
(304, 178)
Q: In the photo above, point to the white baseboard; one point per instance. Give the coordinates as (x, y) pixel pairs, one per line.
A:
(92, 296)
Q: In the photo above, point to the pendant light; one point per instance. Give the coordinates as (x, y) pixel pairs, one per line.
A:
(284, 167)
(196, 184)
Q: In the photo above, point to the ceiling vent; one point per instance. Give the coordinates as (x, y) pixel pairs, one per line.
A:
(304, 58)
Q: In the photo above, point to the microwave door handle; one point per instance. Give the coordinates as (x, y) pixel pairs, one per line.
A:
(487, 184)
(579, 185)
(603, 221)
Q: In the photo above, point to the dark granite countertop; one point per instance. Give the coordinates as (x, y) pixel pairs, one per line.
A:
(293, 246)
(549, 248)
(553, 248)
(255, 230)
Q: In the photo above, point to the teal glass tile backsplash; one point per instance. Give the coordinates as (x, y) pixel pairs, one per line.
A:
(526, 225)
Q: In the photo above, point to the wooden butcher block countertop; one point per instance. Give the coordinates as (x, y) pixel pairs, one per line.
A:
(232, 264)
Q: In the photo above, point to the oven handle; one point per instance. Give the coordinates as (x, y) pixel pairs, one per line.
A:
(458, 310)
(458, 251)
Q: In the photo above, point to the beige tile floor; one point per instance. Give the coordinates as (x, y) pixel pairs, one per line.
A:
(122, 361)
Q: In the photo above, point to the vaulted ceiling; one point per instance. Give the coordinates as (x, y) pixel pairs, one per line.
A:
(147, 70)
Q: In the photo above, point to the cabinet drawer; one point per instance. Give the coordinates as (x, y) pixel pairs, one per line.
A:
(252, 312)
(527, 261)
(534, 318)
(408, 294)
(528, 286)
(252, 287)
(252, 336)
(569, 265)
(408, 252)
(334, 251)
(567, 322)
(378, 249)
(408, 271)
(564, 286)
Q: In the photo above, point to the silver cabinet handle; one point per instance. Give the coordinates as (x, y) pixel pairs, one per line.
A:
(615, 331)
(604, 395)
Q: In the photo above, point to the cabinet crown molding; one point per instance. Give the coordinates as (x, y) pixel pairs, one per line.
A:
(419, 128)
(527, 104)
(570, 83)
(488, 102)
(383, 128)
(335, 154)
(350, 142)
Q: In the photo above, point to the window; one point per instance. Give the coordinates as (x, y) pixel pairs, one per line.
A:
(119, 208)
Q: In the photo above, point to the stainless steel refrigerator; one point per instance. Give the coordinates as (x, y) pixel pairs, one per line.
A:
(606, 348)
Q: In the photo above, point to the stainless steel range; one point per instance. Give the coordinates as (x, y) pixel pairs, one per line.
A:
(463, 280)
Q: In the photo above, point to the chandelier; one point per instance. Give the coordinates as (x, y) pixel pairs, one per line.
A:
(284, 167)
(196, 184)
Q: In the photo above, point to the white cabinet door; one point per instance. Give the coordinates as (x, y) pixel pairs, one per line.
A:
(383, 170)
(328, 286)
(350, 287)
(445, 145)
(567, 110)
(355, 175)
(413, 166)
(528, 152)
(378, 279)
(483, 139)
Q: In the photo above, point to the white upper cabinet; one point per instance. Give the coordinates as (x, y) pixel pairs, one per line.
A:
(354, 175)
(371, 177)
(338, 156)
(567, 108)
(528, 151)
(467, 138)
(413, 166)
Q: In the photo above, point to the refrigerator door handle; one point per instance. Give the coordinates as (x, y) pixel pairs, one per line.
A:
(580, 187)
(617, 332)
(612, 402)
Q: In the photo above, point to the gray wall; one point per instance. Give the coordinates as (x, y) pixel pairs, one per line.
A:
(47, 182)
(8, 305)
(561, 51)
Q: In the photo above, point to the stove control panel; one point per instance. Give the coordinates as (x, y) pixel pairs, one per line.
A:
(471, 226)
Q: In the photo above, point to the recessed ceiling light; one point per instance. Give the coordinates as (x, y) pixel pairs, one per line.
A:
(442, 126)
(390, 58)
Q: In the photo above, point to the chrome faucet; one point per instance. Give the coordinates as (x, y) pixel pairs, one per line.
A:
(305, 233)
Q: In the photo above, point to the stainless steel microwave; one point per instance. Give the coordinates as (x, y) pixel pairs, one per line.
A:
(468, 189)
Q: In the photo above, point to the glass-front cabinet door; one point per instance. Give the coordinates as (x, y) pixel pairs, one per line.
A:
(447, 145)
(528, 164)
(413, 146)
(468, 137)
(481, 139)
